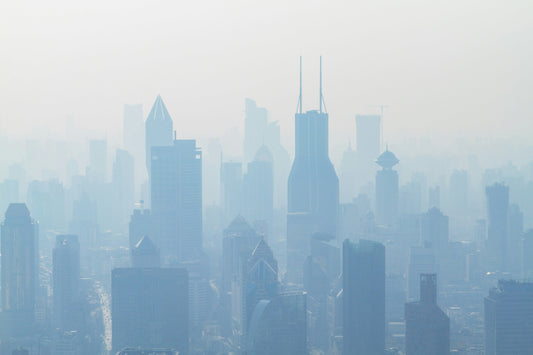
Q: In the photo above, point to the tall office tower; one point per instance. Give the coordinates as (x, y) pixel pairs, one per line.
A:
(387, 189)
(133, 138)
(363, 279)
(278, 326)
(140, 225)
(123, 188)
(434, 196)
(66, 282)
(368, 135)
(20, 270)
(434, 230)
(527, 251)
(145, 254)
(458, 194)
(98, 160)
(497, 213)
(259, 282)
(281, 164)
(231, 186)
(150, 308)
(259, 188)
(427, 327)
(515, 230)
(158, 130)
(238, 244)
(255, 126)
(176, 185)
(422, 260)
(348, 175)
(508, 314)
(313, 187)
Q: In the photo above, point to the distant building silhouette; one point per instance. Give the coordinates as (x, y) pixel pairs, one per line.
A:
(20, 271)
(458, 193)
(150, 308)
(145, 254)
(231, 186)
(434, 230)
(123, 181)
(508, 314)
(66, 282)
(255, 126)
(497, 213)
(140, 225)
(133, 138)
(313, 188)
(422, 260)
(387, 190)
(527, 251)
(278, 326)
(363, 274)
(158, 129)
(259, 188)
(427, 326)
(515, 230)
(176, 192)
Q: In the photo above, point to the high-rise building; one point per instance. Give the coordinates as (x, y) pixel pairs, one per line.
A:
(259, 187)
(66, 282)
(133, 138)
(363, 275)
(313, 188)
(515, 230)
(278, 326)
(427, 327)
(150, 308)
(176, 192)
(422, 260)
(434, 196)
(434, 230)
(123, 181)
(255, 127)
(158, 129)
(497, 213)
(508, 314)
(387, 191)
(368, 135)
(145, 254)
(231, 186)
(98, 160)
(20, 270)
(140, 225)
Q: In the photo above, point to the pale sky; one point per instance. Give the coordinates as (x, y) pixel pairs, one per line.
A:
(445, 68)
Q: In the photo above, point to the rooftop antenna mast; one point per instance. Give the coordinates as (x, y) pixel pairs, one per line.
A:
(322, 102)
(299, 107)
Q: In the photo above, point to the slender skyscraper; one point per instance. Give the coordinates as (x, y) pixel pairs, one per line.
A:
(497, 212)
(176, 189)
(434, 231)
(313, 187)
(66, 282)
(20, 266)
(158, 129)
(387, 189)
(259, 187)
(255, 128)
(427, 326)
(363, 275)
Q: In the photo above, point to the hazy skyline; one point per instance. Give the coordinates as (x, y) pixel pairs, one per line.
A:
(445, 69)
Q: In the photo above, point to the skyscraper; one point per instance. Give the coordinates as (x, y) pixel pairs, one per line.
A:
(66, 282)
(363, 279)
(123, 187)
(259, 187)
(145, 254)
(313, 187)
(133, 138)
(150, 308)
(140, 225)
(255, 126)
(434, 230)
(508, 314)
(176, 191)
(20, 270)
(387, 189)
(497, 213)
(231, 187)
(427, 326)
(158, 129)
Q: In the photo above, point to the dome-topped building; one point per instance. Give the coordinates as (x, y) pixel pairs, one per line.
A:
(387, 159)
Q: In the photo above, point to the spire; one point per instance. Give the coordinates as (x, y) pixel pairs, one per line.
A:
(159, 111)
(299, 107)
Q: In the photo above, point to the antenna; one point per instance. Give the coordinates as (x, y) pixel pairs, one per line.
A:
(322, 102)
(299, 107)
